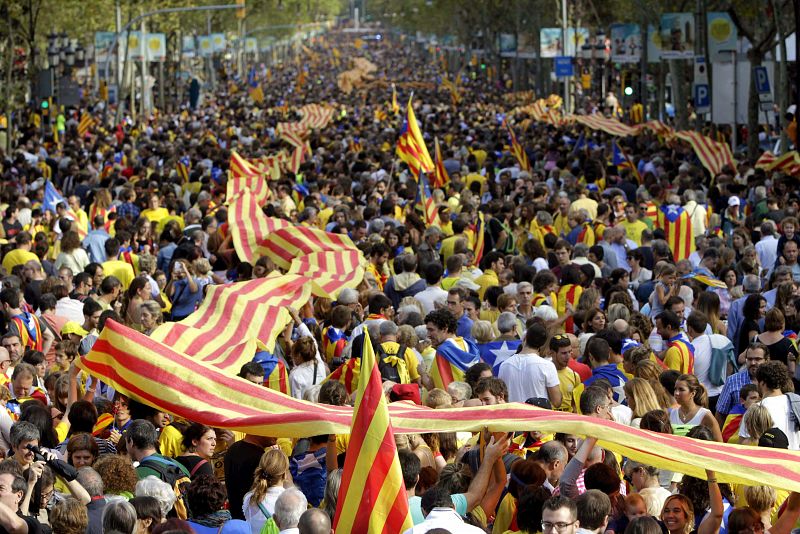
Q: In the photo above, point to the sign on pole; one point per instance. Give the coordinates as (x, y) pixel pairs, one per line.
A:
(702, 94)
(762, 87)
(563, 66)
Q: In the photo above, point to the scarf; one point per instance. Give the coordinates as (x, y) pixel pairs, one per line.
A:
(214, 519)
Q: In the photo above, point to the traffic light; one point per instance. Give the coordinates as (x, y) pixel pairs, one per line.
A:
(628, 90)
(45, 105)
(44, 108)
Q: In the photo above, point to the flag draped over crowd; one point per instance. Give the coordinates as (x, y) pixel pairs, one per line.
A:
(174, 382)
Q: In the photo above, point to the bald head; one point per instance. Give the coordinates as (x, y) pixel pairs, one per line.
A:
(314, 521)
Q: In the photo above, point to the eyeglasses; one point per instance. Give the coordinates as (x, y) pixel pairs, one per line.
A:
(47, 495)
(559, 527)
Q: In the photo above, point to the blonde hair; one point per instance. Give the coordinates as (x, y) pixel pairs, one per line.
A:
(482, 331)
(270, 472)
(641, 396)
(650, 371)
(756, 421)
(411, 301)
(688, 509)
(201, 266)
(760, 498)
(438, 398)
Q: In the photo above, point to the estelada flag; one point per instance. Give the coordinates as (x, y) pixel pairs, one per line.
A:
(372, 497)
(426, 202)
(621, 160)
(568, 293)
(677, 226)
(440, 176)
(452, 361)
(517, 149)
(411, 146)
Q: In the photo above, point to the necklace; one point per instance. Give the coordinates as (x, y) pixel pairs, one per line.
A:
(688, 416)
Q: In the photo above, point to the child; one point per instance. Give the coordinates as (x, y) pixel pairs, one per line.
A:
(788, 227)
(748, 396)
(634, 507)
(666, 287)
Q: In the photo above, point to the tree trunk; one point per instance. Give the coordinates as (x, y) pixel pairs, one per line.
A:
(676, 72)
(781, 79)
(755, 56)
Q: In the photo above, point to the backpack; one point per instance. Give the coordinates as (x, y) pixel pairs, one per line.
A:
(794, 409)
(309, 474)
(269, 526)
(722, 354)
(390, 371)
(172, 474)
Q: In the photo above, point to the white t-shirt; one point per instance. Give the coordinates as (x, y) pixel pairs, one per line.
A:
(702, 363)
(252, 513)
(429, 295)
(778, 408)
(528, 375)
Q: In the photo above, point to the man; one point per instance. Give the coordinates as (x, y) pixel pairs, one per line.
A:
(767, 247)
(406, 283)
(524, 300)
(552, 457)
(378, 256)
(34, 277)
(241, 461)
(91, 481)
(314, 521)
(568, 379)
(447, 248)
(492, 263)
(454, 354)
(12, 490)
(455, 303)
(594, 507)
(599, 353)
(491, 391)
(28, 328)
(110, 291)
(754, 356)
(20, 255)
(390, 347)
(433, 293)
(95, 241)
(13, 346)
(252, 372)
(561, 220)
(440, 515)
(82, 285)
(703, 345)
(751, 285)
(790, 250)
(696, 211)
(529, 375)
(771, 378)
(680, 353)
(620, 244)
(427, 251)
(141, 439)
(290, 505)
(560, 516)
(113, 266)
(632, 225)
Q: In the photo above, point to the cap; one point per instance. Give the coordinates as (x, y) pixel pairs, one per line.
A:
(404, 392)
(71, 327)
(734, 201)
(774, 438)
(540, 402)
(347, 296)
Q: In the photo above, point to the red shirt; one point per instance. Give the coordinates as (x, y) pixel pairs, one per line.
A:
(583, 370)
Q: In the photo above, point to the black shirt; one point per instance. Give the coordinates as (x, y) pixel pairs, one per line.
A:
(190, 462)
(241, 461)
(34, 527)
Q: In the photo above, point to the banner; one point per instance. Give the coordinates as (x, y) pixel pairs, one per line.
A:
(156, 47)
(551, 42)
(205, 45)
(102, 42)
(722, 36)
(654, 45)
(135, 46)
(626, 43)
(677, 36)
(218, 42)
(188, 46)
(251, 44)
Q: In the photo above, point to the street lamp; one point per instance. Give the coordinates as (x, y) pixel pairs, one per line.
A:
(80, 54)
(69, 55)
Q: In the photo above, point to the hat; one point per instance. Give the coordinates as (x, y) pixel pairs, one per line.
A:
(629, 343)
(405, 392)
(347, 296)
(684, 167)
(774, 438)
(733, 201)
(539, 402)
(71, 327)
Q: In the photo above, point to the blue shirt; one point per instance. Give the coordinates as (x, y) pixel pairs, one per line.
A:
(184, 301)
(165, 256)
(464, 327)
(94, 242)
(730, 391)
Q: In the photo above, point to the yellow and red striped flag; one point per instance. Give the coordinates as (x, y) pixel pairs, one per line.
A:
(440, 176)
(330, 271)
(86, 123)
(426, 202)
(395, 106)
(597, 121)
(372, 497)
(480, 239)
(677, 226)
(348, 374)
(182, 168)
(316, 115)
(712, 154)
(246, 176)
(568, 293)
(411, 146)
(517, 149)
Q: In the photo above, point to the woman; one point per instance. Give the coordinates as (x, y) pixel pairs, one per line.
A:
(148, 514)
(268, 481)
(746, 520)
(645, 478)
(755, 307)
(119, 516)
(206, 501)
(739, 241)
(709, 304)
(69, 517)
(641, 399)
(594, 320)
(524, 474)
(677, 516)
(72, 255)
(183, 291)
(784, 301)
(730, 292)
(119, 476)
(199, 442)
(138, 292)
(150, 316)
(692, 400)
(101, 205)
(638, 274)
(650, 371)
(308, 369)
(82, 450)
(780, 347)
(755, 422)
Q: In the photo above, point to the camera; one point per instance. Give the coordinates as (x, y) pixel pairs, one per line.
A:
(59, 467)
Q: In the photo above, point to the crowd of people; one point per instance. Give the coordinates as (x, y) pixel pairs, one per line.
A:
(554, 286)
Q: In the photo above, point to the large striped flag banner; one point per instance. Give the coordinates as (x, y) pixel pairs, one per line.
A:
(440, 176)
(330, 271)
(677, 226)
(452, 361)
(246, 176)
(788, 162)
(516, 149)
(568, 293)
(372, 497)
(411, 146)
(168, 380)
(597, 121)
(86, 123)
(249, 225)
(315, 115)
(712, 154)
(285, 244)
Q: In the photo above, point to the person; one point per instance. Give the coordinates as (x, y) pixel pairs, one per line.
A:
(645, 479)
(309, 369)
(207, 515)
(268, 485)
(148, 514)
(677, 516)
(772, 378)
(69, 517)
(781, 349)
(13, 488)
(440, 513)
(93, 483)
(692, 400)
(560, 515)
(200, 443)
(754, 309)
(568, 379)
(115, 267)
(529, 375)
(679, 354)
(289, 506)
(755, 355)
(240, 463)
(314, 521)
(594, 509)
(119, 516)
(183, 291)
(598, 352)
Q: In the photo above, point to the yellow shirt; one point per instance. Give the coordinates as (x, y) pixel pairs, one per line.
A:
(633, 230)
(155, 215)
(163, 222)
(561, 224)
(449, 244)
(568, 380)
(18, 257)
(122, 270)
(486, 280)
(170, 442)
(83, 219)
(505, 514)
(391, 348)
(585, 204)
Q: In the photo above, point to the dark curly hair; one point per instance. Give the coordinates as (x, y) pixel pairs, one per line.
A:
(332, 392)
(775, 375)
(443, 319)
(524, 475)
(206, 496)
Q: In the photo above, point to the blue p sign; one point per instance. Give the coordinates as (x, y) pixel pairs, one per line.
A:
(762, 80)
(701, 96)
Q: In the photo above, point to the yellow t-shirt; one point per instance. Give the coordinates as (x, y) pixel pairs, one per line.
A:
(122, 270)
(568, 380)
(633, 230)
(155, 215)
(170, 442)
(18, 257)
(505, 514)
(486, 280)
(391, 348)
(163, 222)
